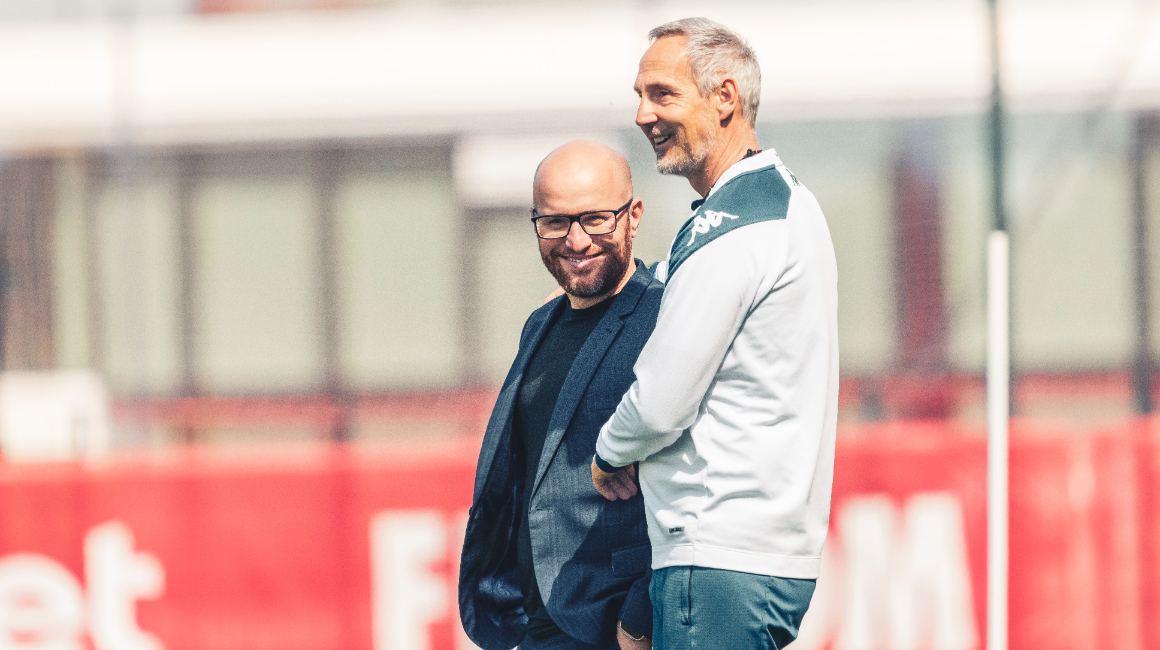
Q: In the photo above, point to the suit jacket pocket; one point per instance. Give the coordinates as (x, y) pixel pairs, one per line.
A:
(604, 396)
(601, 408)
(631, 560)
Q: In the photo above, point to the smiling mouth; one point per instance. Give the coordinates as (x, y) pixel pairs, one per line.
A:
(578, 261)
(658, 140)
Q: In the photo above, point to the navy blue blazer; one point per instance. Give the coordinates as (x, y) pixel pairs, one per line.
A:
(592, 556)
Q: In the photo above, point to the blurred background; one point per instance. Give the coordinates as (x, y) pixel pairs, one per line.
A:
(254, 224)
(306, 214)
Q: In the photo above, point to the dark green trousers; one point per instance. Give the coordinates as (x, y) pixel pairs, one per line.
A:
(695, 608)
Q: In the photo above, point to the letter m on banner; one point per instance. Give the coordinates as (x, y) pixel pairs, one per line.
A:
(894, 579)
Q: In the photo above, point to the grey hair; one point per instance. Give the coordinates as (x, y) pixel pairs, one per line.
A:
(716, 52)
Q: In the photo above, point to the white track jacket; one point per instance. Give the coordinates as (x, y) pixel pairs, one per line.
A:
(733, 413)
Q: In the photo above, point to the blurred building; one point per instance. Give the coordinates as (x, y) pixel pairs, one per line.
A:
(294, 218)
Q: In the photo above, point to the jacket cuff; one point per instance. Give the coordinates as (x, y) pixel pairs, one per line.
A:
(605, 465)
(637, 611)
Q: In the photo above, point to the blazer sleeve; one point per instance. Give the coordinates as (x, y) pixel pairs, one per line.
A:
(637, 610)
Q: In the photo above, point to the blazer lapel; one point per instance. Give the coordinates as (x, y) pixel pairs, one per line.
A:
(586, 363)
(501, 416)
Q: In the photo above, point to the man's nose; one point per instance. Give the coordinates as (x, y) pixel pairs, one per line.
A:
(644, 113)
(577, 240)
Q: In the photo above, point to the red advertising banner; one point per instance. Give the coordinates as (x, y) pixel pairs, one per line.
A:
(335, 547)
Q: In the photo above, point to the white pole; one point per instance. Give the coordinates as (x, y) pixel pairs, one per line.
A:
(998, 414)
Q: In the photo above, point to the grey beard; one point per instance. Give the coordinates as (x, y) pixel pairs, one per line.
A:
(681, 167)
(687, 163)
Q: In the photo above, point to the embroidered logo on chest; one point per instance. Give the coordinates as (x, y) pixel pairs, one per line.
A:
(704, 223)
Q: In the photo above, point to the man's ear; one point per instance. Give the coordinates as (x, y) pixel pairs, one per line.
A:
(635, 212)
(727, 100)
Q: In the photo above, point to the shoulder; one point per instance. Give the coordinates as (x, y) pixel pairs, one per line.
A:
(653, 293)
(759, 195)
(643, 317)
(752, 197)
(649, 303)
(642, 291)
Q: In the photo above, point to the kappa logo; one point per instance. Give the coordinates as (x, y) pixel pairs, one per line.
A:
(710, 220)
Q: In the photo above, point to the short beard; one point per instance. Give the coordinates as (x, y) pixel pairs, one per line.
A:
(615, 266)
(682, 163)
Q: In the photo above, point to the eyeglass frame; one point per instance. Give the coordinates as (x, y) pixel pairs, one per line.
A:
(575, 218)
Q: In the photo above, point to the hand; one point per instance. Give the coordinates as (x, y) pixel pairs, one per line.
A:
(552, 296)
(615, 485)
(628, 643)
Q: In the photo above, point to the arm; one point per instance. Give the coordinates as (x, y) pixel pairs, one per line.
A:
(636, 614)
(704, 305)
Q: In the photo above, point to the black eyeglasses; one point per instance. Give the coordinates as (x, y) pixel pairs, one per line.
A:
(595, 222)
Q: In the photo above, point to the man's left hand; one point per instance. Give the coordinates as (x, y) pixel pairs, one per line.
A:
(615, 485)
(628, 643)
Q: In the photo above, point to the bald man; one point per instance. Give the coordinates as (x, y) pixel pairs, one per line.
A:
(547, 562)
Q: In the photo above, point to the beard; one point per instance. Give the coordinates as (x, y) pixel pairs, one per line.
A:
(686, 156)
(601, 280)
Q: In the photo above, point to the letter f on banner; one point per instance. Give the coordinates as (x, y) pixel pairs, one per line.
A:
(408, 595)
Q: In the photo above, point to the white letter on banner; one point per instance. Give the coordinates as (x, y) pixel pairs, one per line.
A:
(931, 594)
(41, 605)
(117, 578)
(910, 588)
(867, 528)
(407, 596)
(459, 531)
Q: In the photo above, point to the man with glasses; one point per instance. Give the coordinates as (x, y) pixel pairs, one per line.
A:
(547, 562)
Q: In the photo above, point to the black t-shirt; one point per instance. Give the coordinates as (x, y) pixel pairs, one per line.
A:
(543, 379)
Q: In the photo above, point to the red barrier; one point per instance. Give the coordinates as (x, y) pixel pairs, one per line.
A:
(330, 547)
